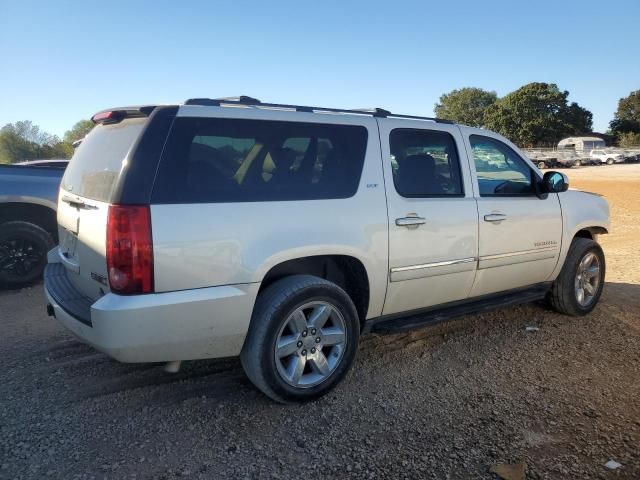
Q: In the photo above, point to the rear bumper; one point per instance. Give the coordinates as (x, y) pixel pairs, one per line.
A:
(185, 325)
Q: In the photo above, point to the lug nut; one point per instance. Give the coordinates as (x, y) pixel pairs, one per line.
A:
(299, 344)
(313, 331)
(304, 333)
(318, 340)
(313, 350)
(304, 352)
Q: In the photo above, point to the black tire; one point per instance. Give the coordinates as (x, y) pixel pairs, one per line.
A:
(610, 161)
(272, 309)
(23, 252)
(562, 296)
(541, 165)
(577, 163)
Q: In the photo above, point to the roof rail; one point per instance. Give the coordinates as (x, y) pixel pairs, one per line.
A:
(250, 101)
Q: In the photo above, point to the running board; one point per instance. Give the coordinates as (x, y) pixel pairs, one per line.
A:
(431, 316)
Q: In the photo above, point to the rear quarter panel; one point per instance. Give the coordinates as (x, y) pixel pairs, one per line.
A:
(202, 245)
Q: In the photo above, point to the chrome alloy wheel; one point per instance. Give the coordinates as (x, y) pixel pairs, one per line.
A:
(587, 279)
(310, 344)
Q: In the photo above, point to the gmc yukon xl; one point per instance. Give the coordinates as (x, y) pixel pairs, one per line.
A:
(282, 233)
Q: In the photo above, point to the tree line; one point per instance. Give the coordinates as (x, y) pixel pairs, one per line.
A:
(22, 141)
(537, 114)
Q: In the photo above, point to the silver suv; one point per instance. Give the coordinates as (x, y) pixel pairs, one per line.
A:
(282, 233)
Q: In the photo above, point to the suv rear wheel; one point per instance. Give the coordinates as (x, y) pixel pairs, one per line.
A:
(23, 252)
(302, 338)
(577, 289)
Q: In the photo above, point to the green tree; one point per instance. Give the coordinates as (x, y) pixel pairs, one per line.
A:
(629, 139)
(466, 105)
(627, 117)
(23, 141)
(78, 131)
(537, 114)
(14, 148)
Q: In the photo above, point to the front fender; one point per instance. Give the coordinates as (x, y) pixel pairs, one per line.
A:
(581, 211)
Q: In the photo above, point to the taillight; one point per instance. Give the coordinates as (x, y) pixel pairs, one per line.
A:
(129, 249)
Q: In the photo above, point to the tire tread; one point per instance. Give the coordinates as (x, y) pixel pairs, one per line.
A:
(561, 296)
(267, 305)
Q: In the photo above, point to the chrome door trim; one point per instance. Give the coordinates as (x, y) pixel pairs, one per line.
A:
(522, 256)
(521, 252)
(435, 264)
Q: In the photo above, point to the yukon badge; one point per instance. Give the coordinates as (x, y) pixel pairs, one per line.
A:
(545, 243)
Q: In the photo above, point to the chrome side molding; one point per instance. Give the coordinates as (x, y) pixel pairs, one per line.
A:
(432, 265)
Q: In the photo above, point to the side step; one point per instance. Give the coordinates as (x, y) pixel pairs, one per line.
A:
(421, 318)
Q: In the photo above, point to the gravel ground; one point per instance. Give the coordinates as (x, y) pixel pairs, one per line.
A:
(449, 401)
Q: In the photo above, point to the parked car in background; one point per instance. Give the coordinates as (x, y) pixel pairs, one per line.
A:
(551, 159)
(545, 161)
(607, 156)
(28, 230)
(281, 233)
(45, 163)
(631, 155)
(583, 158)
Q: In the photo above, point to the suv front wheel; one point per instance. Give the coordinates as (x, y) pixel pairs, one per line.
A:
(302, 339)
(577, 289)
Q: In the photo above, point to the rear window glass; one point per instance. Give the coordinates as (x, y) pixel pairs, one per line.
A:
(425, 163)
(96, 164)
(209, 160)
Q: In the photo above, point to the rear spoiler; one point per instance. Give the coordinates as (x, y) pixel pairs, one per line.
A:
(115, 115)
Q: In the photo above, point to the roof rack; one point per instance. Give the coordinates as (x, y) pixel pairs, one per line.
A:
(250, 101)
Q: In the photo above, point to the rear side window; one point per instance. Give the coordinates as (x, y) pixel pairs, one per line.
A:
(96, 164)
(215, 160)
(425, 163)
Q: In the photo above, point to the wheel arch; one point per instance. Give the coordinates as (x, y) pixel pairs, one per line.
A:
(40, 215)
(346, 271)
(591, 232)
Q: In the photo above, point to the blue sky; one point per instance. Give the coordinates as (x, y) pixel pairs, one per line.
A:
(63, 61)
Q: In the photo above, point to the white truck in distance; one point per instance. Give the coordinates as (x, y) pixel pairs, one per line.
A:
(606, 156)
(281, 233)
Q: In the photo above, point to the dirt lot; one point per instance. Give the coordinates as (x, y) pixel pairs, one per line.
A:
(445, 402)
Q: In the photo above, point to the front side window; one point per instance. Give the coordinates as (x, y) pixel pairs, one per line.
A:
(215, 160)
(425, 163)
(500, 170)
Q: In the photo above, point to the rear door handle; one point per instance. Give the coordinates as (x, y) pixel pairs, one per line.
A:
(495, 217)
(410, 221)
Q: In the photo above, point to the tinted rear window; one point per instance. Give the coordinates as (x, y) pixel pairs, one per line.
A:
(425, 163)
(208, 160)
(96, 164)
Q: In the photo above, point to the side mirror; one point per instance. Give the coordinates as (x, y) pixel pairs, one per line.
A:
(555, 182)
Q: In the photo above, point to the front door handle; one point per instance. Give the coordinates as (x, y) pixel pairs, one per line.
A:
(410, 222)
(495, 217)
